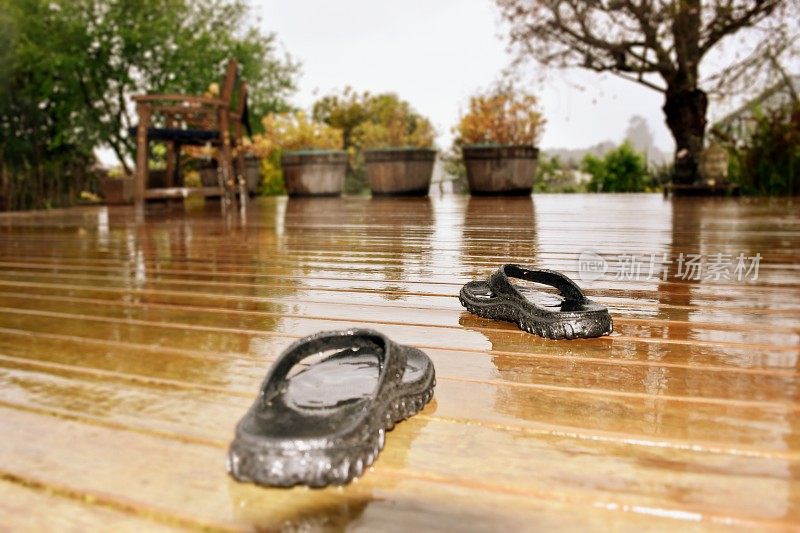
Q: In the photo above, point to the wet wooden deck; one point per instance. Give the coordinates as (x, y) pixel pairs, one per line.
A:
(129, 350)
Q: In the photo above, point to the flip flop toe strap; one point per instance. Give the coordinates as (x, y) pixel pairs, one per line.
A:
(500, 284)
(391, 359)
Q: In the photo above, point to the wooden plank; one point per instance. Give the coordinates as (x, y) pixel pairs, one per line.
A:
(434, 284)
(732, 318)
(720, 299)
(769, 319)
(180, 481)
(140, 341)
(317, 241)
(693, 382)
(309, 308)
(26, 506)
(729, 428)
(190, 329)
(417, 451)
(182, 192)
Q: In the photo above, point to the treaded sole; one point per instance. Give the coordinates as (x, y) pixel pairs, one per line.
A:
(319, 468)
(578, 328)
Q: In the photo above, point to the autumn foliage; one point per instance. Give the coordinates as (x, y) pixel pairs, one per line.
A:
(501, 116)
(375, 120)
(295, 131)
(396, 127)
(395, 134)
(285, 132)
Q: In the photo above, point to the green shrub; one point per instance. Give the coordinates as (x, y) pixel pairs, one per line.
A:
(620, 170)
(272, 176)
(769, 161)
(554, 176)
(661, 175)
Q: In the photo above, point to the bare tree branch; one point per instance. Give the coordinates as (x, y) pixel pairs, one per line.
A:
(643, 11)
(728, 22)
(667, 38)
(637, 39)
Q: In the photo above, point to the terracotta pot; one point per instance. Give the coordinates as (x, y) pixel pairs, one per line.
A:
(400, 170)
(117, 191)
(314, 172)
(500, 169)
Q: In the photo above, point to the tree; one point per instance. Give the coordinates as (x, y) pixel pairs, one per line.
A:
(768, 163)
(657, 43)
(75, 63)
(41, 160)
(639, 135)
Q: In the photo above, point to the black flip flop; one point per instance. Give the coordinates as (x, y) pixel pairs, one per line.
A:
(497, 298)
(326, 423)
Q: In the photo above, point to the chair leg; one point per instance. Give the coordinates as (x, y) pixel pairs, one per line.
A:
(178, 170)
(242, 179)
(228, 175)
(141, 155)
(170, 179)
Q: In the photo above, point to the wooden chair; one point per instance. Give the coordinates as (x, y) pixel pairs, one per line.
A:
(178, 120)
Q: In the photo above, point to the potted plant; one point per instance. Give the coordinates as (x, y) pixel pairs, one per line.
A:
(398, 152)
(251, 172)
(208, 172)
(497, 138)
(117, 187)
(207, 167)
(311, 155)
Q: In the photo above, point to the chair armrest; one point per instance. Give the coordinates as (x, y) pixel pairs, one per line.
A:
(183, 110)
(146, 98)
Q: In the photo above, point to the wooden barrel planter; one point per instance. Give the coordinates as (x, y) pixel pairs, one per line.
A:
(314, 172)
(252, 174)
(400, 171)
(117, 191)
(500, 169)
(208, 174)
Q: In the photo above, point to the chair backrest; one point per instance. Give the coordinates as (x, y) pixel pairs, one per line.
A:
(228, 86)
(230, 81)
(241, 108)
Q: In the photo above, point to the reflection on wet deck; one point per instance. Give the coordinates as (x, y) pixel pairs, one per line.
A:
(128, 350)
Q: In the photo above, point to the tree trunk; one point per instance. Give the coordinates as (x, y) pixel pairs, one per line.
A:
(685, 110)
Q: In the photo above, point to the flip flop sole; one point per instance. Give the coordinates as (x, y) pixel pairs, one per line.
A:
(570, 326)
(251, 459)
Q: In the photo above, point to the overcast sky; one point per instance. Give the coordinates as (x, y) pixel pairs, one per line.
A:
(435, 54)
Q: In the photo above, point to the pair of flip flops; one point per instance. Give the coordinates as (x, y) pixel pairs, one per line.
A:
(327, 422)
(572, 316)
